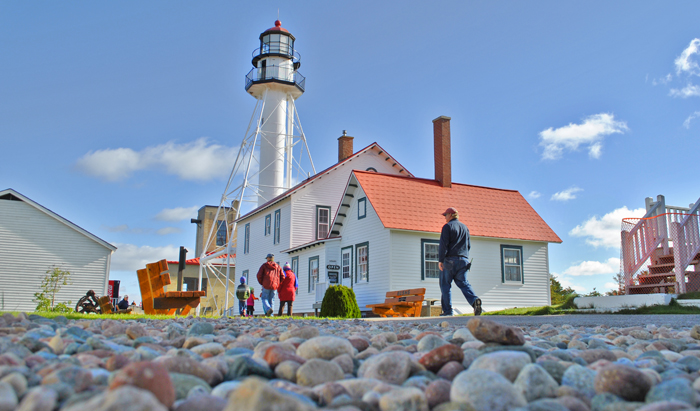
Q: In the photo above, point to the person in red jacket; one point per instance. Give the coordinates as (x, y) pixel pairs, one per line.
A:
(287, 290)
(270, 276)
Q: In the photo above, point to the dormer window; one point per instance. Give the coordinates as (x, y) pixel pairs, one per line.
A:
(323, 221)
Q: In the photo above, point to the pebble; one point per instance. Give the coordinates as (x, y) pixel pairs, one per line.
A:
(316, 371)
(8, 397)
(147, 375)
(260, 363)
(485, 391)
(507, 363)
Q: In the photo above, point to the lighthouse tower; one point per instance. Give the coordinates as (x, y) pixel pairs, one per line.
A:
(272, 157)
(275, 81)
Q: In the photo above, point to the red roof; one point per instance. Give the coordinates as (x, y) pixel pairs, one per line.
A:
(417, 204)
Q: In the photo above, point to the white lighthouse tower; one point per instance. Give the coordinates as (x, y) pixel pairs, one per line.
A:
(275, 81)
(273, 154)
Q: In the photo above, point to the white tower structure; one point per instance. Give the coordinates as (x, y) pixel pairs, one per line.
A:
(270, 159)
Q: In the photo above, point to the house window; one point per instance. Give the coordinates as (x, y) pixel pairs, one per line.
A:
(245, 274)
(246, 239)
(362, 263)
(362, 208)
(429, 257)
(512, 264)
(220, 233)
(313, 273)
(190, 284)
(278, 217)
(323, 221)
(268, 224)
(346, 262)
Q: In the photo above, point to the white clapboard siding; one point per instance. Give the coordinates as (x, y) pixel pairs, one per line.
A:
(327, 190)
(261, 245)
(371, 230)
(32, 242)
(484, 277)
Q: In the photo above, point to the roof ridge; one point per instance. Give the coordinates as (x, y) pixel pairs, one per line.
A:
(433, 180)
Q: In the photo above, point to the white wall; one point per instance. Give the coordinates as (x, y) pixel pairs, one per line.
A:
(485, 274)
(371, 230)
(31, 242)
(261, 245)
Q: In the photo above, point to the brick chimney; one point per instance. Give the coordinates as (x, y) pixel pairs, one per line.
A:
(441, 144)
(344, 146)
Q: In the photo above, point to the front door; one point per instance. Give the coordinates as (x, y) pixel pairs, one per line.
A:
(346, 267)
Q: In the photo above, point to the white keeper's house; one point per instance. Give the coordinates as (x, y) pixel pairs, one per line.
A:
(33, 240)
(368, 223)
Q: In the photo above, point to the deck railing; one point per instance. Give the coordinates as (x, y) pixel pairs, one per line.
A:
(686, 243)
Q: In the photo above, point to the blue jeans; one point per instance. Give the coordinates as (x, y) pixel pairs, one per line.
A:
(241, 307)
(455, 269)
(266, 297)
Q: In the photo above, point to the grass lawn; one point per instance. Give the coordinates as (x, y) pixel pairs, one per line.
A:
(568, 307)
(77, 316)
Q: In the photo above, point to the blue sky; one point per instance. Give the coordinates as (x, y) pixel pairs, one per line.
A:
(125, 117)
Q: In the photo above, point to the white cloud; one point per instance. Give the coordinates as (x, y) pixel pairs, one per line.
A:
(590, 133)
(566, 195)
(662, 80)
(116, 229)
(611, 266)
(177, 214)
(690, 118)
(534, 194)
(612, 286)
(691, 90)
(199, 160)
(566, 282)
(605, 231)
(686, 62)
(129, 257)
(168, 230)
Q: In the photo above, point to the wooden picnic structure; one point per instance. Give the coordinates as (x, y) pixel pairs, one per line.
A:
(402, 303)
(152, 282)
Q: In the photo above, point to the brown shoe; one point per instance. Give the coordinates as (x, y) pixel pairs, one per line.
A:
(477, 307)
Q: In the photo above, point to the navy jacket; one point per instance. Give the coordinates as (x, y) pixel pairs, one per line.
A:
(454, 240)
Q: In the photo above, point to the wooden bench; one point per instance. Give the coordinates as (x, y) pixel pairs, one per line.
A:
(152, 282)
(402, 303)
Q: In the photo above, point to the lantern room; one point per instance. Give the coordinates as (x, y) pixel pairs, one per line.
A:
(275, 64)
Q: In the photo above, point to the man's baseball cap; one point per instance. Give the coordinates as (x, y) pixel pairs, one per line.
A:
(270, 255)
(450, 210)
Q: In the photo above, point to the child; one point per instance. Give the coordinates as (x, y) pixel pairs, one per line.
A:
(243, 293)
(251, 302)
(288, 289)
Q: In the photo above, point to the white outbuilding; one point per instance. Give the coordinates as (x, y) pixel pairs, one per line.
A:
(34, 240)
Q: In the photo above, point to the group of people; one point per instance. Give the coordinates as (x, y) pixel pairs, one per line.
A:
(273, 279)
(453, 262)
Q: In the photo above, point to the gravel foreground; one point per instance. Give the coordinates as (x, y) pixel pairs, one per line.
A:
(554, 363)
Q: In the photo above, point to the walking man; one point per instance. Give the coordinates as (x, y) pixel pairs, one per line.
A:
(453, 259)
(270, 276)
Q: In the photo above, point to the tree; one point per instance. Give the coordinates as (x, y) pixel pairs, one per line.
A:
(559, 293)
(54, 279)
(594, 293)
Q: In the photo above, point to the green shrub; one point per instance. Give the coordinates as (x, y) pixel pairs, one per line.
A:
(340, 301)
